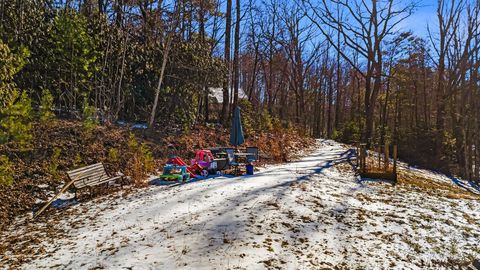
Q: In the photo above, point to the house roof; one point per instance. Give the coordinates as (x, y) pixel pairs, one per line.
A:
(217, 93)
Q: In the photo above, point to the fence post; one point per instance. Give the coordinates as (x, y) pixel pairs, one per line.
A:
(362, 157)
(395, 161)
(357, 151)
(386, 155)
(379, 157)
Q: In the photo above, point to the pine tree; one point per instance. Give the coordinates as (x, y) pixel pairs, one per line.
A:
(16, 109)
(15, 123)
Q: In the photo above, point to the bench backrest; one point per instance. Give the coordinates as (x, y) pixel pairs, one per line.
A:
(254, 154)
(88, 176)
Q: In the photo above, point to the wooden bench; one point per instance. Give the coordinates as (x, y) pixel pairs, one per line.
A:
(89, 176)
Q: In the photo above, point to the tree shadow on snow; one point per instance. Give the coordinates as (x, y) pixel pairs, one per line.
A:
(467, 185)
(233, 228)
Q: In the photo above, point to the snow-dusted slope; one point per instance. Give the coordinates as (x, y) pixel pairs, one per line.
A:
(306, 214)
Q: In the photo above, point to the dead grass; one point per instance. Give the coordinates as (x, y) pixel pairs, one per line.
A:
(407, 178)
(470, 219)
(411, 180)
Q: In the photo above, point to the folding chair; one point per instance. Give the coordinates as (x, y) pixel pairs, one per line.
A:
(231, 159)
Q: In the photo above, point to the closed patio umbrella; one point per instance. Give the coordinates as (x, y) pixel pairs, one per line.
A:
(236, 132)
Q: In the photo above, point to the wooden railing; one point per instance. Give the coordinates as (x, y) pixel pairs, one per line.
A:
(376, 162)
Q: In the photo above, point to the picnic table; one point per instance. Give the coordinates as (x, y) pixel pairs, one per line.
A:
(235, 158)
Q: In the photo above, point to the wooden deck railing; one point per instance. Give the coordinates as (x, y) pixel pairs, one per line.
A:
(377, 161)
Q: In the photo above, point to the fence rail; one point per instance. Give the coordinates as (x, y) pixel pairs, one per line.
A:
(377, 162)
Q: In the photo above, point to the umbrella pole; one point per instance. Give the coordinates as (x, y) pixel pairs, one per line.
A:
(236, 161)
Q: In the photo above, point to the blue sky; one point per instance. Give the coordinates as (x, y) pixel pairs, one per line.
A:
(425, 14)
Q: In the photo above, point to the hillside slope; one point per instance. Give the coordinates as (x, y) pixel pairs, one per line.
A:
(39, 171)
(314, 213)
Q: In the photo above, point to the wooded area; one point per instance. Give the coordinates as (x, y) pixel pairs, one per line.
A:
(337, 69)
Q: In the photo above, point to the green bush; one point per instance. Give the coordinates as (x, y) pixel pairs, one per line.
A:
(255, 120)
(349, 133)
(78, 162)
(54, 162)
(6, 171)
(89, 121)
(113, 154)
(10, 64)
(248, 117)
(75, 51)
(46, 104)
(140, 161)
(337, 135)
(147, 158)
(132, 143)
(266, 120)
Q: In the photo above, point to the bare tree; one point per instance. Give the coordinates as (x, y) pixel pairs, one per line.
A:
(236, 55)
(448, 14)
(301, 53)
(364, 28)
(226, 84)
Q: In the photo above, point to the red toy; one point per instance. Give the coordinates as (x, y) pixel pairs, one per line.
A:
(202, 164)
(204, 159)
(179, 162)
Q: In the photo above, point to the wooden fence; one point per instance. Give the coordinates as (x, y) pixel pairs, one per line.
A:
(377, 162)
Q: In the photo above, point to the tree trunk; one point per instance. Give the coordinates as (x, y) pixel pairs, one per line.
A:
(236, 57)
(226, 84)
(160, 81)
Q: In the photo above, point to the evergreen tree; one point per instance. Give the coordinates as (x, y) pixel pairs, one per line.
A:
(72, 58)
(16, 109)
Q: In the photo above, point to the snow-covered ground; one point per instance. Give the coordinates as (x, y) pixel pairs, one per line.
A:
(307, 214)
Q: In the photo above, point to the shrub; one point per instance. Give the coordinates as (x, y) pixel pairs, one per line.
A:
(89, 121)
(54, 162)
(46, 104)
(248, 117)
(141, 159)
(337, 135)
(113, 154)
(350, 132)
(147, 158)
(6, 171)
(132, 143)
(78, 162)
(266, 120)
